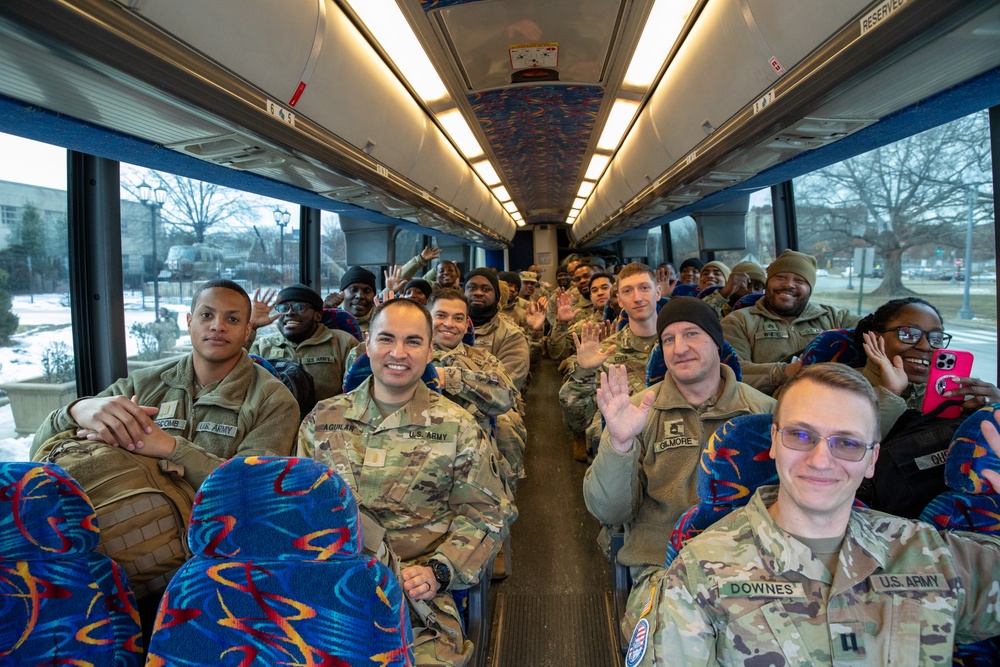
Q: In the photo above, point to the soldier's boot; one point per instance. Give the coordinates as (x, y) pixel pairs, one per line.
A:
(501, 565)
(580, 446)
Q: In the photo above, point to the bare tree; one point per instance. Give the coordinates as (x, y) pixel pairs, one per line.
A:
(907, 194)
(195, 207)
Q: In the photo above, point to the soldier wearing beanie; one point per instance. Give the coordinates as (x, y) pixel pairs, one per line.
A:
(646, 470)
(303, 339)
(744, 278)
(777, 328)
(358, 289)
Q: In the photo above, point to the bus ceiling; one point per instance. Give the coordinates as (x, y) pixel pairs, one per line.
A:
(540, 114)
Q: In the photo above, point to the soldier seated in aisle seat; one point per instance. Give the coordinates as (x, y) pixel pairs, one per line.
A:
(196, 411)
(646, 470)
(801, 575)
(423, 467)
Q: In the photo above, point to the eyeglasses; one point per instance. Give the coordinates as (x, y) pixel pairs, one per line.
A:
(841, 446)
(296, 307)
(912, 335)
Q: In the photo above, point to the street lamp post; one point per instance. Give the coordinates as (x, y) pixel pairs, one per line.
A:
(153, 199)
(281, 218)
(971, 195)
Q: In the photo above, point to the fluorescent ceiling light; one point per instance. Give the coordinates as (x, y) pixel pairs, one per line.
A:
(622, 113)
(511, 207)
(519, 222)
(500, 192)
(573, 212)
(662, 28)
(486, 172)
(570, 219)
(516, 215)
(585, 189)
(389, 27)
(597, 164)
(456, 127)
(579, 202)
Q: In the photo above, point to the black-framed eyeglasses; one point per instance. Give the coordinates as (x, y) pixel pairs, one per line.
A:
(296, 307)
(912, 335)
(841, 446)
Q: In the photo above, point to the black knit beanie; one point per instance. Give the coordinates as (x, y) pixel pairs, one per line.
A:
(358, 274)
(690, 309)
(481, 316)
(302, 293)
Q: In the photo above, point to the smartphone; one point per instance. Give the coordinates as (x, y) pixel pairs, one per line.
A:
(946, 365)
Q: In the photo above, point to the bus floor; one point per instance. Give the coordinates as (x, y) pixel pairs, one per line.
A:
(555, 606)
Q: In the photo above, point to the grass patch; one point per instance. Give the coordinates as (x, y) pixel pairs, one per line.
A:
(984, 306)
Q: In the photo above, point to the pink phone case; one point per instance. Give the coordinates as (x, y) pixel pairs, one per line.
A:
(945, 365)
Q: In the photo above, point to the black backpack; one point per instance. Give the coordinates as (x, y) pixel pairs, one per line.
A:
(298, 381)
(909, 472)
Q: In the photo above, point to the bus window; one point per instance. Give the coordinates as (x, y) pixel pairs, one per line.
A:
(924, 206)
(684, 239)
(654, 247)
(176, 234)
(36, 335)
(759, 233)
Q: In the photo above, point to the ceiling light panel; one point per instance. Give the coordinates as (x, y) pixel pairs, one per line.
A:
(662, 29)
(486, 172)
(585, 189)
(500, 192)
(389, 27)
(454, 124)
(596, 167)
(622, 113)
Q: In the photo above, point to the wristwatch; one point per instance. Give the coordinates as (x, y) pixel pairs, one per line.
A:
(441, 573)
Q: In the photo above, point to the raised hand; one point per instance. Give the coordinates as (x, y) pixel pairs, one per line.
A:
(261, 305)
(622, 419)
(535, 316)
(384, 296)
(738, 285)
(891, 373)
(429, 253)
(564, 303)
(543, 301)
(394, 279)
(333, 299)
(588, 350)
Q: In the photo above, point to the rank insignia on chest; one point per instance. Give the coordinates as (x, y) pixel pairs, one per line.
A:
(674, 428)
(167, 410)
(770, 326)
(374, 458)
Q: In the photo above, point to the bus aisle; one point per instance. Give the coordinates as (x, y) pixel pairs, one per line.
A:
(554, 608)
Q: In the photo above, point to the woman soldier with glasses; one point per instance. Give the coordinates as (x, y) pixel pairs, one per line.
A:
(899, 339)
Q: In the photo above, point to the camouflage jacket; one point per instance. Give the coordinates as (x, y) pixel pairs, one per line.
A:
(427, 472)
(476, 380)
(560, 340)
(650, 486)
(248, 413)
(506, 341)
(719, 303)
(322, 355)
(578, 395)
(745, 592)
(765, 342)
(579, 302)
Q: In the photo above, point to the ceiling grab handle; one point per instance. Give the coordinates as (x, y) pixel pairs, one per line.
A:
(313, 55)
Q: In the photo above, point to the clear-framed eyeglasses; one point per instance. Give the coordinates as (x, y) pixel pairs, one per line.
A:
(841, 446)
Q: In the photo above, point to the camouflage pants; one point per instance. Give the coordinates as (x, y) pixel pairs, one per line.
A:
(440, 647)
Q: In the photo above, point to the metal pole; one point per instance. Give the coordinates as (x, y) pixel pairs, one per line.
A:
(281, 245)
(156, 266)
(965, 312)
(861, 279)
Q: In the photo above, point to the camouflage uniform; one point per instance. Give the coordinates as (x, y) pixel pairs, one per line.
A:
(560, 341)
(322, 355)
(719, 303)
(765, 342)
(578, 395)
(649, 487)
(506, 341)
(903, 594)
(430, 476)
(579, 301)
(247, 413)
(477, 381)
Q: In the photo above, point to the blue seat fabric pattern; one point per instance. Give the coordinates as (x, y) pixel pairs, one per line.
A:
(279, 576)
(734, 462)
(835, 345)
(336, 318)
(972, 505)
(60, 601)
